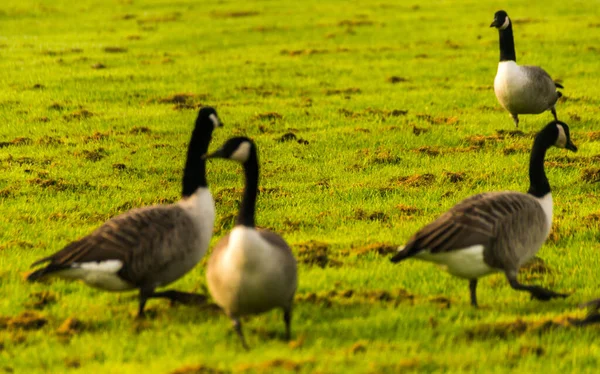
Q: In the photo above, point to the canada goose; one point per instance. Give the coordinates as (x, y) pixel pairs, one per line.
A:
(148, 247)
(495, 231)
(521, 89)
(250, 270)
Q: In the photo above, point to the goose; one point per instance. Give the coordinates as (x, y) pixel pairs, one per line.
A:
(147, 247)
(521, 89)
(250, 270)
(495, 231)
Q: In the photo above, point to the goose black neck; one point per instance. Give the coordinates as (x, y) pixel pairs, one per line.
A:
(194, 174)
(507, 44)
(246, 214)
(538, 182)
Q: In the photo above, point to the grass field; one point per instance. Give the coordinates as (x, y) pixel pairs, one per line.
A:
(393, 104)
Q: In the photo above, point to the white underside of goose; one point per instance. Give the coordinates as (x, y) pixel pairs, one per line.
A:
(546, 203)
(465, 263)
(101, 275)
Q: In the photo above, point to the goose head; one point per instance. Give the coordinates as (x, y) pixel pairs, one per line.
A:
(208, 116)
(501, 20)
(557, 134)
(239, 149)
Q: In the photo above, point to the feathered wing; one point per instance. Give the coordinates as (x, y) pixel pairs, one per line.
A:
(138, 239)
(543, 83)
(477, 220)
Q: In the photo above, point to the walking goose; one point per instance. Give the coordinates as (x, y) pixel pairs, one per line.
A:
(148, 247)
(250, 270)
(495, 231)
(521, 89)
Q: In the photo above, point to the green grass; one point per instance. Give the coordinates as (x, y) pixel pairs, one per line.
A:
(86, 107)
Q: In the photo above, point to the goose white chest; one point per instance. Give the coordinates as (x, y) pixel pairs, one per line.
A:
(247, 277)
(511, 85)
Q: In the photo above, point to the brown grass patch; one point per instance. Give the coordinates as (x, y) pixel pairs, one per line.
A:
(161, 18)
(199, 369)
(140, 130)
(71, 326)
(455, 177)
(275, 365)
(113, 49)
(78, 115)
(381, 249)
(98, 65)
(27, 320)
(373, 216)
(268, 116)
(343, 91)
(236, 14)
(94, 155)
(355, 23)
(590, 175)
(350, 297)
(396, 79)
(39, 300)
(504, 330)
(438, 120)
(416, 180)
(428, 150)
(315, 253)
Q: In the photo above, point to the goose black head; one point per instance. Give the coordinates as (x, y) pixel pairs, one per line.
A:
(557, 134)
(239, 149)
(208, 116)
(501, 20)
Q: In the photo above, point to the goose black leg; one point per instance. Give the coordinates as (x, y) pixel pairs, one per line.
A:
(187, 298)
(145, 294)
(536, 292)
(473, 289)
(554, 113)
(287, 318)
(237, 326)
(516, 119)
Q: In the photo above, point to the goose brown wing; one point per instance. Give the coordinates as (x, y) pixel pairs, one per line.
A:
(474, 221)
(145, 240)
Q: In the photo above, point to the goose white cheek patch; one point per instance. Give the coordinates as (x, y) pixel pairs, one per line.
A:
(242, 152)
(505, 24)
(215, 120)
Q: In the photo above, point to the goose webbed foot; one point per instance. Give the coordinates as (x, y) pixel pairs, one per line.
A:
(473, 289)
(186, 298)
(536, 292)
(237, 326)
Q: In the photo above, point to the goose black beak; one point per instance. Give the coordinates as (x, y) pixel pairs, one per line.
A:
(571, 147)
(216, 154)
(494, 24)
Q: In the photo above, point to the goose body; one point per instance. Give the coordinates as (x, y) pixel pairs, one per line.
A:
(150, 247)
(250, 270)
(521, 89)
(494, 231)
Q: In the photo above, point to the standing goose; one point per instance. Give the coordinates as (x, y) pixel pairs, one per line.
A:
(148, 247)
(521, 89)
(250, 270)
(495, 231)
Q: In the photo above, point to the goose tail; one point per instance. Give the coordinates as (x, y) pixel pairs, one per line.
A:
(558, 85)
(402, 254)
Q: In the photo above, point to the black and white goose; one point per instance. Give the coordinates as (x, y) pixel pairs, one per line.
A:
(495, 231)
(521, 89)
(250, 270)
(148, 247)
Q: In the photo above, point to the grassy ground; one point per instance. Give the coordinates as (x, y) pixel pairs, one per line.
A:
(395, 103)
